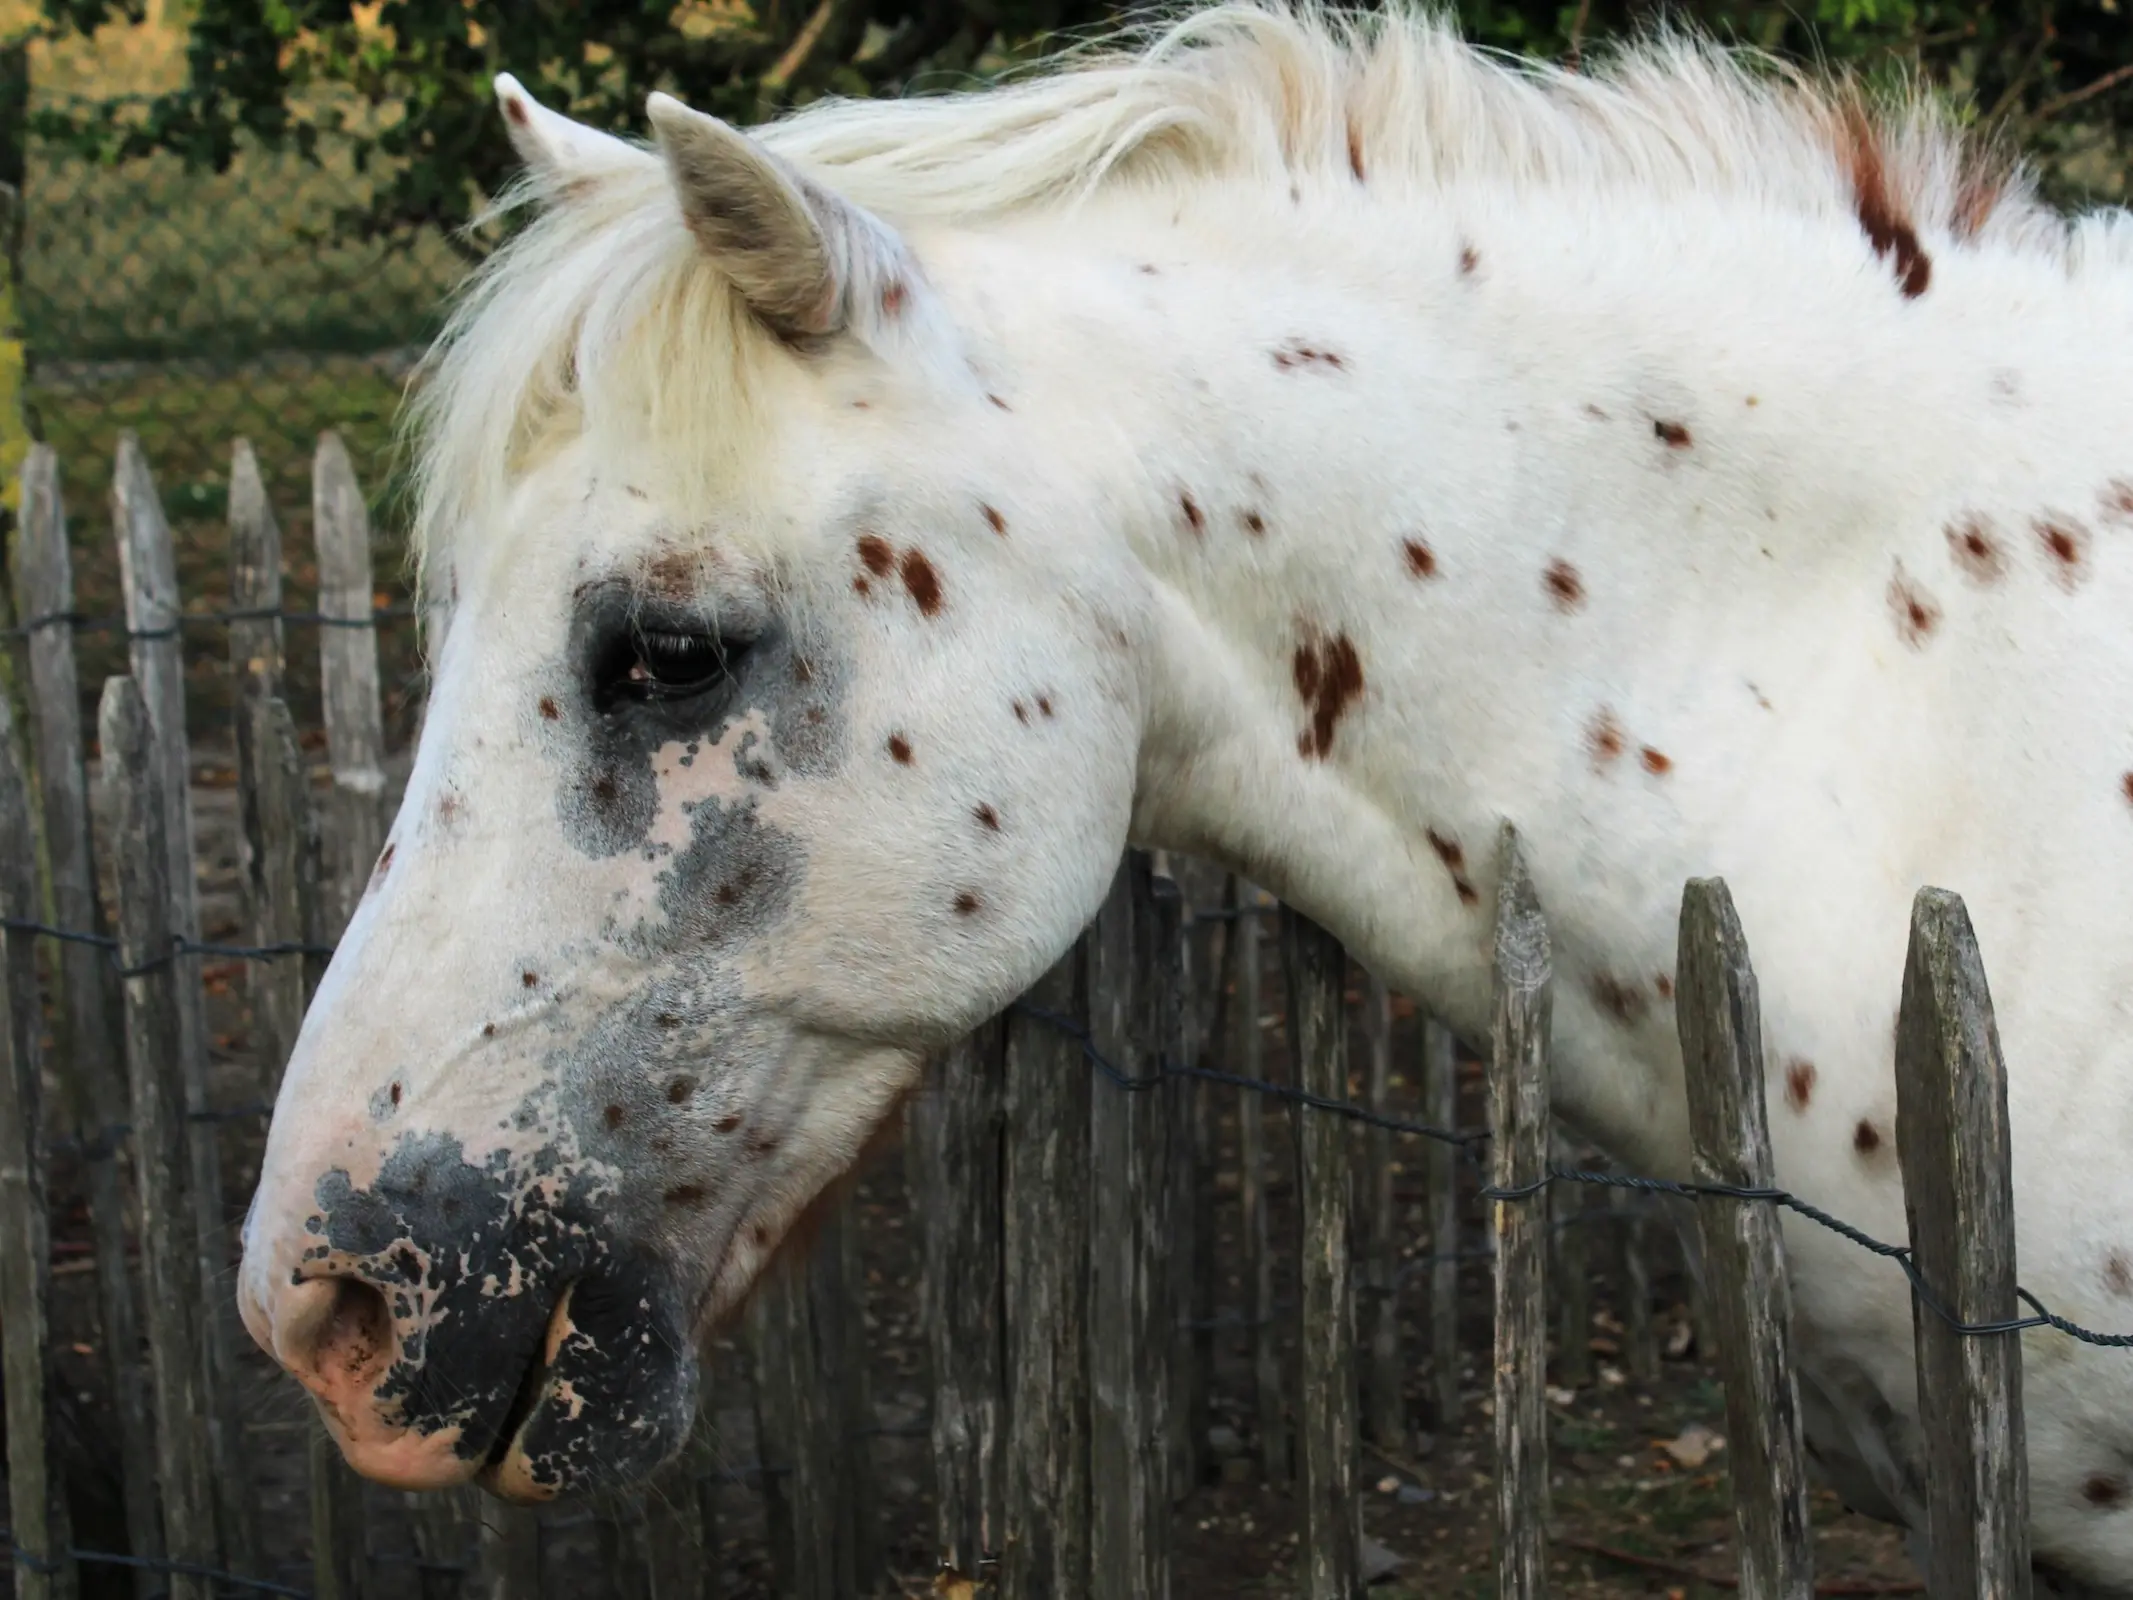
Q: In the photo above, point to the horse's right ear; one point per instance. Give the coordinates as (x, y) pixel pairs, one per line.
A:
(560, 153)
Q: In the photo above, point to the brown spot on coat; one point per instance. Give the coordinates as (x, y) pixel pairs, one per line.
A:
(2118, 1274)
(893, 294)
(2125, 785)
(966, 904)
(1355, 148)
(679, 1090)
(996, 400)
(899, 750)
(1866, 1138)
(528, 979)
(1453, 855)
(1624, 1001)
(1253, 522)
(993, 519)
(861, 587)
(2103, 1489)
(988, 818)
(1469, 260)
(1603, 737)
(550, 711)
(1421, 559)
(1675, 434)
(1888, 228)
(876, 553)
(922, 582)
(727, 1123)
(2116, 499)
(1975, 549)
(1595, 412)
(2066, 542)
(1663, 983)
(1044, 704)
(1194, 516)
(1021, 713)
(1329, 679)
(1298, 354)
(1657, 762)
(1799, 1083)
(1916, 612)
(385, 862)
(671, 575)
(1563, 584)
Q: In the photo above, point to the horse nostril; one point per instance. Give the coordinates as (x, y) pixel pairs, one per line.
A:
(355, 1341)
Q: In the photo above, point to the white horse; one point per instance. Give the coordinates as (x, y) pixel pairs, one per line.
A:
(1304, 443)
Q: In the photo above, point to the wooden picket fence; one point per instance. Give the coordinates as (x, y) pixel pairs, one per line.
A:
(1060, 1165)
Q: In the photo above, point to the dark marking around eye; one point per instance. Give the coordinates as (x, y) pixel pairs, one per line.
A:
(1564, 585)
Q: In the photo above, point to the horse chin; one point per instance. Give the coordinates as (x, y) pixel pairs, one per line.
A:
(609, 1403)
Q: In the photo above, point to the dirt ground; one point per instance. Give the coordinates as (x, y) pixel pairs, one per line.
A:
(1632, 1516)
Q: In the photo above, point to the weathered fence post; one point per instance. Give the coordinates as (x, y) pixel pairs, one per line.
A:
(1045, 1207)
(148, 571)
(800, 1431)
(1440, 1108)
(510, 1557)
(1183, 954)
(1270, 1400)
(340, 1564)
(1721, 1024)
(348, 672)
(37, 1508)
(1518, 1116)
(958, 1116)
(169, 1236)
(95, 1079)
(1384, 1390)
(1129, 1295)
(1640, 1341)
(1952, 1140)
(1331, 1546)
(256, 667)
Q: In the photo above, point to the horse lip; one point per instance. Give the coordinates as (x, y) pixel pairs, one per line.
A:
(532, 1387)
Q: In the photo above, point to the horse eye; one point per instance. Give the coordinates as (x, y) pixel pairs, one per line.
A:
(659, 664)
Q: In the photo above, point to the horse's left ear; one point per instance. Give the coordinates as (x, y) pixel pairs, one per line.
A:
(802, 258)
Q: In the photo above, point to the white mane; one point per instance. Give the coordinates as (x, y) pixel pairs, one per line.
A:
(606, 307)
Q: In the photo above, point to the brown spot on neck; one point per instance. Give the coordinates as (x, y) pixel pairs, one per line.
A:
(2118, 1274)
(1565, 588)
(1624, 1001)
(922, 582)
(876, 554)
(1663, 985)
(988, 819)
(1254, 523)
(1888, 226)
(1329, 679)
(1195, 518)
(1603, 737)
(1421, 559)
(1799, 1083)
(1469, 260)
(2104, 1489)
(1657, 762)
(993, 519)
(1866, 1138)
(385, 862)
(1975, 548)
(1674, 434)
(966, 904)
(2066, 546)
(899, 750)
(1916, 613)
(2116, 499)
(550, 711)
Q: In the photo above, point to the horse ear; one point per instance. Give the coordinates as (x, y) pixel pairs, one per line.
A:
(802, 258)
(561, 153)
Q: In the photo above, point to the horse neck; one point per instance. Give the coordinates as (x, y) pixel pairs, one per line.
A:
(1567, 512)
